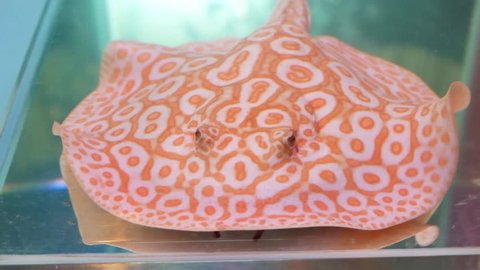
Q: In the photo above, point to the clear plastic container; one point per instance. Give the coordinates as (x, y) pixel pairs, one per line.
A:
(438, 40)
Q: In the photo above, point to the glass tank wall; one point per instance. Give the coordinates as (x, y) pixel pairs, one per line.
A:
(434, 38)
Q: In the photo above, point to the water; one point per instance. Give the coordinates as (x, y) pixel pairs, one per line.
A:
(429, 37)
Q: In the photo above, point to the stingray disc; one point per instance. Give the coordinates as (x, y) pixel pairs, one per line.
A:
(276, 130)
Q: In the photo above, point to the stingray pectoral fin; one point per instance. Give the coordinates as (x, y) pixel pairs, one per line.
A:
(459, 96)
(116, 56)
(122, 58)
(56, 128)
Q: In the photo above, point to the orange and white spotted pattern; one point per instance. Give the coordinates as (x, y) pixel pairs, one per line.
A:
(276, 130)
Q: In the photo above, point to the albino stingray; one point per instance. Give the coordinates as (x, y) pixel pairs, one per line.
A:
(276, 130)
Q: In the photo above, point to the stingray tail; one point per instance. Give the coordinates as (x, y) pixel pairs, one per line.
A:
(295, 12)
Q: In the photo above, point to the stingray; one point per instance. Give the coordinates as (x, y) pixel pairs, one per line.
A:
(280, 129)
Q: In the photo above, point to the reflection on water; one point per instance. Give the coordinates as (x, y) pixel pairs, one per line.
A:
(52, 185)
(430, 40)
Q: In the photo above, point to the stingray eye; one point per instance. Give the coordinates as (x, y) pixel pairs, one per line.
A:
(198, 135)
(291, 141)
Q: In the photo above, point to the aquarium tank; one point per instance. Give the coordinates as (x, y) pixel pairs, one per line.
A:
(50, 59)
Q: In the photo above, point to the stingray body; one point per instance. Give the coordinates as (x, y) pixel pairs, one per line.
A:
(276, 130)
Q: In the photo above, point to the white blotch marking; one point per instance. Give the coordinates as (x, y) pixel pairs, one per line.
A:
(164, 203)
(126, 113)
(262, 34)
(198, 63)
(304, 74)
(242, 206)
(362, 175)
(273, 118)
(320, 203)
(165, 68)
(248, 55)
(281, 46)
(153, 122)
(165, 171)
(249, 90)
(358, 201)
(250, 172)
(118, 133)
(131, 157)
(141, 191)
(167, 88)
(194, 100)
(294, 30)
(179, 144)
(233, 115)
(327, 176)
(398, 135)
